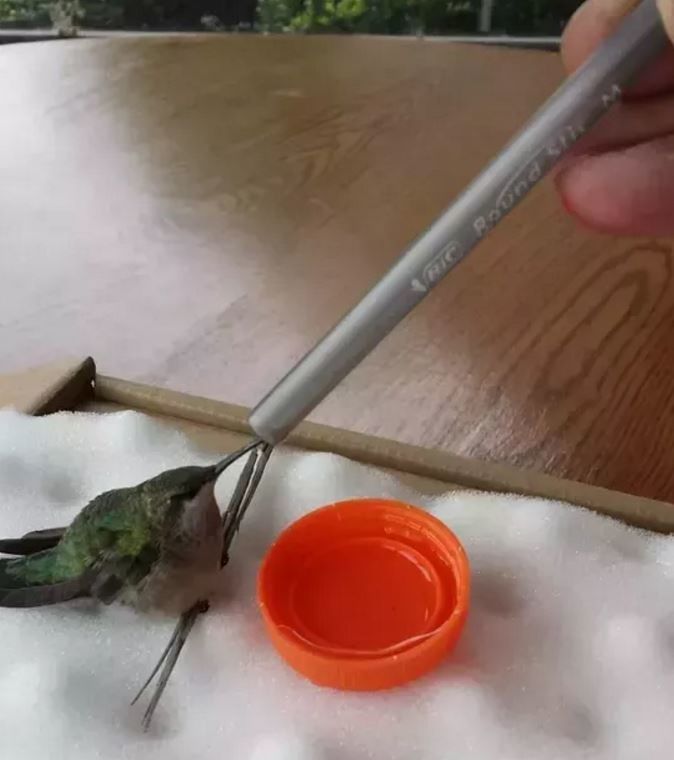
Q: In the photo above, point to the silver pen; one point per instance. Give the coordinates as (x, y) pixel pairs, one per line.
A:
(580, 102)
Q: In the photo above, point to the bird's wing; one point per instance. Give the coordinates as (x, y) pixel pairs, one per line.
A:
(31, 581)
(32, 543)
(39, 579)
(123, 546)
(39, 596)
(115, 573)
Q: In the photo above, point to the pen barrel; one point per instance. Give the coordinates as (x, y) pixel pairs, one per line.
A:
(554, 129)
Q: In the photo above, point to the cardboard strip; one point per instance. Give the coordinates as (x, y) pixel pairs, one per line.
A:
(392, 455)
(75, 384)
(48, 388)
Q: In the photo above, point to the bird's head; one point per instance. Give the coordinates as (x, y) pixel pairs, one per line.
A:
(181, 483)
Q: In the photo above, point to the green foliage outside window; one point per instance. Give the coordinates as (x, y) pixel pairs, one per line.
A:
(309, 16)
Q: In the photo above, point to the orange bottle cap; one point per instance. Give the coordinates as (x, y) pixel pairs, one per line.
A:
(365, 594)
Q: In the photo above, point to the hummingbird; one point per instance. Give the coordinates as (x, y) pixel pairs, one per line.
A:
(157, 547)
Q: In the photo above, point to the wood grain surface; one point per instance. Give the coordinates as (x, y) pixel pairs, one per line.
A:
(196, 212)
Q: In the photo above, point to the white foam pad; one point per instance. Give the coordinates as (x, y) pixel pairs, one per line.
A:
(568, 653)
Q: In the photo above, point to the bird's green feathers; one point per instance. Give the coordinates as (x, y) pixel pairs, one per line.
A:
(114, 541)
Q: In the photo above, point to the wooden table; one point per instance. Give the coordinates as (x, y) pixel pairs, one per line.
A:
(197, 211)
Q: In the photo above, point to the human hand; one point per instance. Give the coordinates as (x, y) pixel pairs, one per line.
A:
(620, 179)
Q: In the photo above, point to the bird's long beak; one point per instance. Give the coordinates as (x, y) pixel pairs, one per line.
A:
(223, 464)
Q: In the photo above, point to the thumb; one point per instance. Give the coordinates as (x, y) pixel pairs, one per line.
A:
(666, 8)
